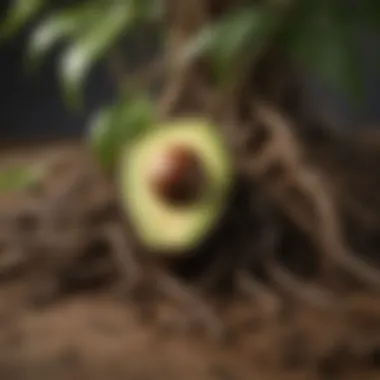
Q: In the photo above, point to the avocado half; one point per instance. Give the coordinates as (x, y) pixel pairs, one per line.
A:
(160, 226)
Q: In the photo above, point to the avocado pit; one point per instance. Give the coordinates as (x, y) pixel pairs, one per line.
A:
(177, 175)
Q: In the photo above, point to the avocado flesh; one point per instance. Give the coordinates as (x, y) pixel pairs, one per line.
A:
(160, 226)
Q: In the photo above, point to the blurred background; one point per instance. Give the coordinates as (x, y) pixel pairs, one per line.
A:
(31, 107)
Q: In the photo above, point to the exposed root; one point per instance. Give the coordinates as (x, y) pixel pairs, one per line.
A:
(272, 132)
(293, 173)
(305, 196)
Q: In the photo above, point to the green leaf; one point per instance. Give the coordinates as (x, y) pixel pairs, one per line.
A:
(18, 178)
(150, 10)
(321, 39)
(249, 28)
(90, 46)
(114, 126)
(57, 27)
(366, 14)
(364, 21)
(19, 14)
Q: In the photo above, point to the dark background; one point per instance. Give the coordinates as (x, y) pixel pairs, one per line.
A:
(31, 107)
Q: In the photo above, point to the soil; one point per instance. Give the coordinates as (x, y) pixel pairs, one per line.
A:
(63, 316)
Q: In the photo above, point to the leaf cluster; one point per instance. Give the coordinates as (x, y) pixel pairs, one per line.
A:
(318, 34)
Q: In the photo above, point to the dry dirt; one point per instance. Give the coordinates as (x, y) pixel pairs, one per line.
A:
(62, 316)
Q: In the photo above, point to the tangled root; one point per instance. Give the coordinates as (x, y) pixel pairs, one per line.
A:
(310, 174)
(302, 222)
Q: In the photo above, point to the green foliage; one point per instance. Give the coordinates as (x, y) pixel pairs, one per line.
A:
(88, 29)
(94, 41)
(20, 13)
(16, 178)
(366, 15)
(318, 34)
(322, 40)
(245, 30)
(59, 26)
(115, 125)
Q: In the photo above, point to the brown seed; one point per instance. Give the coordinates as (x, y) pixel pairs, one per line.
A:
(177, 175)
